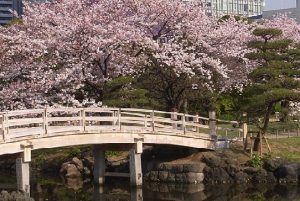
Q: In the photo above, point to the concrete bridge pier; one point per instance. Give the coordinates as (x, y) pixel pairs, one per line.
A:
(135, 161)
(23, 175)
(99, 193)
(99, 165)
(23, 168)
(135, 164)
(136, 194)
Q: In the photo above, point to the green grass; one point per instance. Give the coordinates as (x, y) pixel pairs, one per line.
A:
(281, 126)
(288, 148)
(230, 133)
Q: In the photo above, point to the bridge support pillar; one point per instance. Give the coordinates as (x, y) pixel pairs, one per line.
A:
(212, 123)
(135, 164)
(23, 175)
(136, 194)
(99, 166)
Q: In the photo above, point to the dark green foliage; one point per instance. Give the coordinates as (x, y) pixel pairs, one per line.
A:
(111, 154)
(124, 92)
(75, 152)
(236, 17)
(256, 161)
(172, 91)
(273, 82)
(267, 33)
(40, 159)
(167, 88)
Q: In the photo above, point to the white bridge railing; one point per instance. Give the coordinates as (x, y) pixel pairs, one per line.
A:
(62, 121)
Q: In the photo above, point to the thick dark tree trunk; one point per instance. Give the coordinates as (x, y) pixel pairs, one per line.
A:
(263, 130)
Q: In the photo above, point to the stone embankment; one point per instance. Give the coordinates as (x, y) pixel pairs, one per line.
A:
(202, 167)
(177, 173)
(212, 168)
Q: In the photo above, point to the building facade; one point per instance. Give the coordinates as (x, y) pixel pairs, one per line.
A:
(291, 12)
(247, 8)
(6, 9)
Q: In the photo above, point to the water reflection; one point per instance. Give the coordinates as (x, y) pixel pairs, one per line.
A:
(176, 192)
(135, 194)
(55, 188)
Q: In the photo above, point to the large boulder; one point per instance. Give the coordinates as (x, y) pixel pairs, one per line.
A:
(73, 171)
(216, 175)
(87, 172)
(194, 177)
(232, 170)
(180, 168)
(262, 176)
(272, 164)
(163, 176)
(190, 178)
(241, 178)
(78, 163)
(70, 170)
(251, 170)
(287, 173)
(195, 167)
(77, 168)
(88, 162)
(64, 167)
(74, 183)
(212, 160)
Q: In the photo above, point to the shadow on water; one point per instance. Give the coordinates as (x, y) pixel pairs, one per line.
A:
(53, 188)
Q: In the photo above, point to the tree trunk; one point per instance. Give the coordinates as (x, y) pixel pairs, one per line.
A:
(263, 130)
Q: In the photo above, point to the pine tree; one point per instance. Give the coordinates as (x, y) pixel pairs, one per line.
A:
(274, 81)
(124, 92)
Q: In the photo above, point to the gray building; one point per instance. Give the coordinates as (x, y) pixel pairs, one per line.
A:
(247, 8)
(293, 12)
(6, 6)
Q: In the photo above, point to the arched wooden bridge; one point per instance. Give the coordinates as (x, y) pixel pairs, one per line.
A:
(22, 131)
(57, 127)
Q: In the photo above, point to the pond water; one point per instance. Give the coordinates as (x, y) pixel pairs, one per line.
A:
(53, 188)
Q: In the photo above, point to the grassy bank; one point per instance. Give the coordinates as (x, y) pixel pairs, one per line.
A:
(288, 148)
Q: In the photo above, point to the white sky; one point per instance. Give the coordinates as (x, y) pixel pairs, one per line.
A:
(279, 4)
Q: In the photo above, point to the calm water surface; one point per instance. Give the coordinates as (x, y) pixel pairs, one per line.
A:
(53, 188)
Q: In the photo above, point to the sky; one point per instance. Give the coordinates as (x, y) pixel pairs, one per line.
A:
(279, 4)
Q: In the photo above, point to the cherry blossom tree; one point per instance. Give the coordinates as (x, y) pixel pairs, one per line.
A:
(63, 52)
(61, 47)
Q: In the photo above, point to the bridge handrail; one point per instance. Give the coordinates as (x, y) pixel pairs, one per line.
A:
(48, 121)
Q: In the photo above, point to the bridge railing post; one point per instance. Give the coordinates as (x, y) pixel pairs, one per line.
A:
(115, 121)
(45, 121)
(3, 126)
(174, 118)
(83, 123)
(212, 123)
(145, 122)
(183, 123)
(153, 121)
(119, 119)
(196, 121)
(244, 131)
